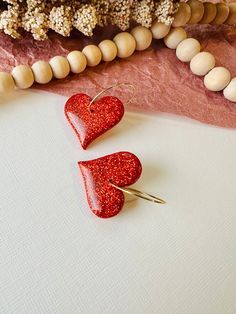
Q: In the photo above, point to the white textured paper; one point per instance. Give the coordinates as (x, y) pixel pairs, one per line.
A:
(57, 257)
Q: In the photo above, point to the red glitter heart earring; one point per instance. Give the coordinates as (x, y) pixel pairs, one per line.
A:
(106, 179)
(90, 119)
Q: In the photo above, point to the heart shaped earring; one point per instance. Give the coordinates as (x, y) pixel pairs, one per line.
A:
(106, 179)
(90, 119)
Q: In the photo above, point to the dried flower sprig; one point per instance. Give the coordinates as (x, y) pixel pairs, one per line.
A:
(38, 16)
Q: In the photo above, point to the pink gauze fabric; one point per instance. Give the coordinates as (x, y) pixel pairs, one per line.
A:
(162, 82)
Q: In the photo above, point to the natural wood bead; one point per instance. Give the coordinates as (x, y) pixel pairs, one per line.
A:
(217, 79)
(209, 13)
(197, 11)
(93, 55)
(23, 76)
(230, 90)
(42, 72)
(159, 30)
(60, 67)
(231, 20)
(125, 43)
(6, 83)
(182, 16)
(187, 49)
(221, 14)
(202, 63)
(175, 36)
(77, 61)
(142, 36)
(108, 49)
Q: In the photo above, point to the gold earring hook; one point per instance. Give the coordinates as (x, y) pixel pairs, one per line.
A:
(143, 195)
(111, 87)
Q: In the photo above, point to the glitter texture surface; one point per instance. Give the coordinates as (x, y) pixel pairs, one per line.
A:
(122, 169)
(91, 121)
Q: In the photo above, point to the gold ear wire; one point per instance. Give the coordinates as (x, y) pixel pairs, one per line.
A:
(111, 87)
(143, 195)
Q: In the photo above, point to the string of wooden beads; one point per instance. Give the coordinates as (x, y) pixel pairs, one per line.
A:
(197, 12)
(124, 44)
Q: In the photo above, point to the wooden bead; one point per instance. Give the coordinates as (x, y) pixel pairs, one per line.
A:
(60, 67)
(93, 55)
(221, 14)
(202, 63)
(125, 43)
(42, 72)
(6, 83)
(159, 30)
(174, 38)
(197, 11)
(142, 36)
(77, 61)
(108, 49)
(187, 49)
(209, 13)
(230, 90)
(231, 20)
(217, 79)
(23, 76)
(182, 16)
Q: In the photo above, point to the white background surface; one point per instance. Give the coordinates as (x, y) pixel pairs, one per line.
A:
(57, 257)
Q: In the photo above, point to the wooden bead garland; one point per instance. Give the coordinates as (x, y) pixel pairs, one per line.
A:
(23, 76)
(175, 36)
(77, 61)
(202, 63)
(182, 16)
(60, 67)
(159, 30)
(187, 49)
(142, 36)
(230, 90)
(217, 79)
(197, 11)
(222, 13)
(93, 55)
(42, 72)
(108, 49)
(125, 43)
(231, 20)
(6, 83)
(209, 13)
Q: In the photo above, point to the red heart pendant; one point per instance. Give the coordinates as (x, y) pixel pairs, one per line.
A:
(92, 120)
(121, 169)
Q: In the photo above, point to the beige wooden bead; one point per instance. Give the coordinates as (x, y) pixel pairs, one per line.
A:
(6, 83)
(209, 13)
(42, 72)
(187, 49)
(143, 37)
(197, 11)
(182, 16)
(230, 90)
(221, 14)
(217, 79)
(23, 76)
(231, 20)
(93, 55)
(125, 43)
(60, 67)
(77, 61)
(159, 30)
(202, 63)
(175, 36)
(108, 49)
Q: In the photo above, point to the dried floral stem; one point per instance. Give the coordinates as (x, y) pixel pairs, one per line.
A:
(38, 16)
